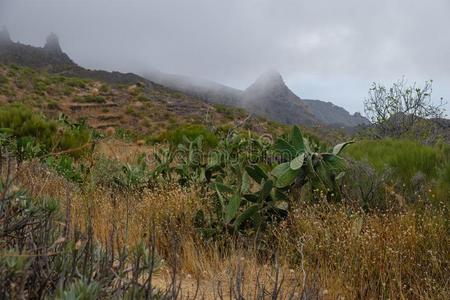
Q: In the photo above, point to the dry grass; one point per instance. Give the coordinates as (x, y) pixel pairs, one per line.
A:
(339, 251)
(367, 255)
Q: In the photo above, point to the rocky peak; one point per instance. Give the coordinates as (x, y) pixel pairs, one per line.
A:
(4, 36)
(52, 43)
(269, 85)
(269, 79)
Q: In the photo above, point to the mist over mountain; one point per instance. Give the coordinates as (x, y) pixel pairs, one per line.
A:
(53, 59)
(268, 96)
(204, 89)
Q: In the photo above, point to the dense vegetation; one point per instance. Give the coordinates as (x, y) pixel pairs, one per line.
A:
(231, 212)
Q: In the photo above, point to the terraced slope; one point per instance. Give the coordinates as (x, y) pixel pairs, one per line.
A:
(134, 107)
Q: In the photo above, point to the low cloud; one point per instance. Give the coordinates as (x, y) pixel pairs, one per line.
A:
(330, 50)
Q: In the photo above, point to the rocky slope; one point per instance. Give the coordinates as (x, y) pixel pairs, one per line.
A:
(52, 59)
(268, 96)
(333, 115)
(204, 89)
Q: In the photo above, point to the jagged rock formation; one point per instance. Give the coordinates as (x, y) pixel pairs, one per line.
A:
(52, 44)
(4, 37)
(53, 59)
(50, 58)
(270, 97)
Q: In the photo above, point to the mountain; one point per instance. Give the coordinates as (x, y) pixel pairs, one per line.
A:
(204, 89)
(52, 59)
(268, 96)
(47, 80)
(329, 114)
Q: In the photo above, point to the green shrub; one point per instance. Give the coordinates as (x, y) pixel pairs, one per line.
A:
(40, 87)
(24, 123)
(33, 131)
(105, 88)
(409, 164)
(90, 99)
(3, 80)
(77, 82)
(405, 157)
(175, 136)
(66, 167)
(52, 104)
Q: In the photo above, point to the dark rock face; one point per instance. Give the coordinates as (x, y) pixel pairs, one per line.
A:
(52, 59)
(4, 37)
(52, 44)
(329, 114)
(270, 97)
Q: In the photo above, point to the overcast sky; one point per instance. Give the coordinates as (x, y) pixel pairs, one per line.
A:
(329, 50)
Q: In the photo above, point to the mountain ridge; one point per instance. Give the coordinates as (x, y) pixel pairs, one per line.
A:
(268, 96)
(297, 110)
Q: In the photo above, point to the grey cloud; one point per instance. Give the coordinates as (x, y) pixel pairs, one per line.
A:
(330, 50)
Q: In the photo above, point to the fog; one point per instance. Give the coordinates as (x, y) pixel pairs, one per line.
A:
(328, 50)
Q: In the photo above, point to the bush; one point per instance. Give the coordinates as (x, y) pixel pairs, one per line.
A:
(77, 82)
(33, 132)
(3, 80)
(37, 252)
(191, 132)
(90, 99)
(406, 160)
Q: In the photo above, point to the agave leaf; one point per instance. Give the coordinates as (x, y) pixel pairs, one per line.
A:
(245, 215)
(339, 147)
(213, 160)
(297, 140)
(182, 147)
(202, 176)
(307, 146)
(186, 139)
(278, 195)
(287, 178)
(297, 162)
(340, 176)
(257, 219)
(251, 197)
(222, 188)
(256, 173)
(280, 169)
(245, 186)
(232, 207)
(265, 191)
(284, 148)
(329, 157)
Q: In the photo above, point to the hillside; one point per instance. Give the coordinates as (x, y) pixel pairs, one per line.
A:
(270, 97)
(147, 112)
(203, 89)
(333, 115)
(273, 100)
